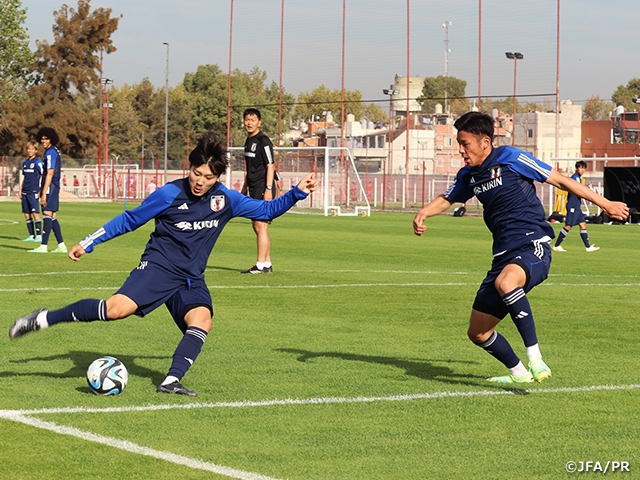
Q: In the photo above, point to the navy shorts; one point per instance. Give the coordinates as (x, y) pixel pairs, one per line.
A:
(535, 260)
(30, 203)
(53, 199)
(150, 285)
(574, 217)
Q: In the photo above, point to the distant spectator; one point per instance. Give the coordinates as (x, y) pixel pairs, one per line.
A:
(76, 185)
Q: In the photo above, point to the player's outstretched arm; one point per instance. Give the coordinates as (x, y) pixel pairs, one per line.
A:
(617, 210)
(76, 252)
(435, 207)
(308, 184)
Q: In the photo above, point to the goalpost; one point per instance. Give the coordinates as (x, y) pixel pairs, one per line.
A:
(340, 192)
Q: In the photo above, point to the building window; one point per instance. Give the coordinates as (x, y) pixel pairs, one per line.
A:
(448, 141)
(455, 162)
(380, 141)
(531, 133)
(587, 140)
(440, 162)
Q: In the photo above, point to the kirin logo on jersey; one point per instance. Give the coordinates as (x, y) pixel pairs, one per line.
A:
(217, 203)
(201, 225)
(494, 181)
(254, 146)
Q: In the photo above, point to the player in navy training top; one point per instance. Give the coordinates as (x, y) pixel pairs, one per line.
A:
(189, 216)
(29, 194)
(502, 180)
(50, 192)
(259, 183)
(575, 215)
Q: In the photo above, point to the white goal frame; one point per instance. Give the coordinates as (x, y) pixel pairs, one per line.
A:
(342, 172)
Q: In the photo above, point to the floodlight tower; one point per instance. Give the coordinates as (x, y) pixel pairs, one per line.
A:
(515, 56)
(446, 26)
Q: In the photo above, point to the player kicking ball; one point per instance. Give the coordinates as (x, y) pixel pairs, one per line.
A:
(502, 180)
(189, 213)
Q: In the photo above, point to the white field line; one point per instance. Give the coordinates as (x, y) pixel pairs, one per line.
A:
(320, 400)
(22, 416)
(139, 449)
(340, 285)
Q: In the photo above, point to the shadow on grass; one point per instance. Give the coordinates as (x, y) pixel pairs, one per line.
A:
(81, 361)
(419, 368)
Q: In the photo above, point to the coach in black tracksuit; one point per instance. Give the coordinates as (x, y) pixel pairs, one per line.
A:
(259, 183)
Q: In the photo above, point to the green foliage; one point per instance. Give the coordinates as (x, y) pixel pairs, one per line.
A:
(15, 55)
(337, 320)
(596, 108)
(625, 95)
(310, 105)
(66, 78)
(433, 92)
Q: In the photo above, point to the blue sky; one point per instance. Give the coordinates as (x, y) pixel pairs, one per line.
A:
(599, 42)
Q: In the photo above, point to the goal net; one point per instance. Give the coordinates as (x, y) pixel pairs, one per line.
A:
(342, 188)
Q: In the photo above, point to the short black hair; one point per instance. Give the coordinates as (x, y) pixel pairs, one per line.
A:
(252, 111)
(581, 163)
(212, 152)
(478, 123)
(50, 133)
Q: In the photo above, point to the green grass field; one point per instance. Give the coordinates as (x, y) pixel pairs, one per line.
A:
(350, 362)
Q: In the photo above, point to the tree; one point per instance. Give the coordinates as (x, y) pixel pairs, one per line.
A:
(375, 113)
(625, 95)
(66, 72)
(15, 55)
(433, 92)
(311, 105)
(596, 108)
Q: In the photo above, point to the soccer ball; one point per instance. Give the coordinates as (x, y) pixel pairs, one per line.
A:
(107, 376)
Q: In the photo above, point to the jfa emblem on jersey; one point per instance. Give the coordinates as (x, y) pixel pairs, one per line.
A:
(254, 146)
(217, 203)
(496, 172)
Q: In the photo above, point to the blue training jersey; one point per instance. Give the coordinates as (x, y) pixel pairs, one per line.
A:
(504, 185)
(53, 161)
(32, 170)
(186, 226)
(573, 201)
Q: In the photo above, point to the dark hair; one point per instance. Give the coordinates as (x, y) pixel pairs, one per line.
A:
(581, 163)
(210, 151)
(252, 111)
(48, 132)
(478, 123)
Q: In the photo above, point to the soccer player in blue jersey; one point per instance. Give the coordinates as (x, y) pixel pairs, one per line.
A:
(575, 215)
(29, 193)
(502, 180)
(259, 183)
(189, 216)
(50, 192)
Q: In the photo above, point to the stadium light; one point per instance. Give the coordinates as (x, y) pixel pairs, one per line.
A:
(515, 56)
(166, 114)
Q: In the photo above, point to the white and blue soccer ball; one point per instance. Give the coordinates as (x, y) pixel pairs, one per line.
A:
(107, 376)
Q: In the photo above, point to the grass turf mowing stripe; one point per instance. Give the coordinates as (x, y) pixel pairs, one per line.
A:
(322, 401)
(135, 448)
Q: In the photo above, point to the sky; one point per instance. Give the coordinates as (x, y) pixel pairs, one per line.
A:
(598, 43)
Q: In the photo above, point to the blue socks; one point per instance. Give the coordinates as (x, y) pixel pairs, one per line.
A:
(585, 238)
(46, 230)
(561, 236)
(55, 226)
(520, 311)
(187, 352)
(86, 310)
(498, 346)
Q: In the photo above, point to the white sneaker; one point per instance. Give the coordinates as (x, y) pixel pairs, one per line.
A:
(593, 248)
(558, 248)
